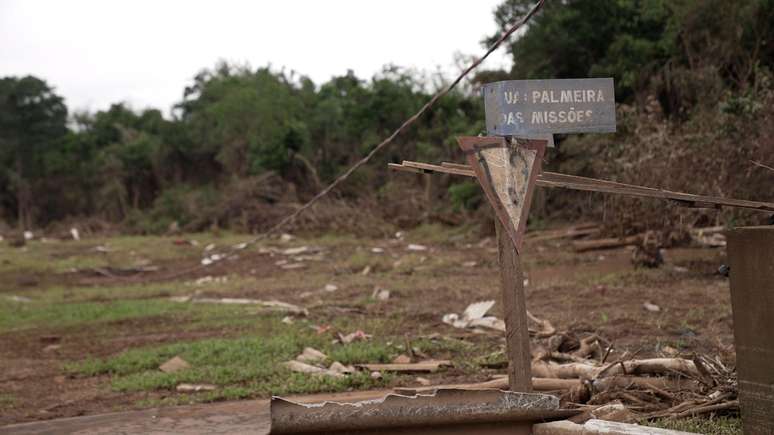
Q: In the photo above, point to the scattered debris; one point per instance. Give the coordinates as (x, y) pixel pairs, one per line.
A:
(415, 247)
(285, 238)
(301, 250)
(380, 294)
(211, 280)
(174, 365)
(209, 247)
(52, 347)
(366, 270)
(724, 270)
(591, 245)
(473, 316)
(311, 356)
(423, 381)
(195, 388)
(402, 359)
(270, 305)
(22, 299)
(112, 272)
(377, 250)
(300, 367)
(340, 368)
(711, 237)
(648, 252)
(293, 266)
(287, 320)
(376, 375)
(355, 336)
(424, 366)
(653, 308)
(75, 234)
(568, 233)
(469, 264)
(330, 288)
(28, 235)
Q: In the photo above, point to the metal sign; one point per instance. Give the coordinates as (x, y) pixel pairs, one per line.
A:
(526, 108)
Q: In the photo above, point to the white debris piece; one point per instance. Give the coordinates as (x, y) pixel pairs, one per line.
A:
(74, 232)
(195, 388)
(338, 367)
(330, 287)
(311, 355)
(284, 238)
(377, 250)
(300, 367)
(28, 235)
(653, 308)
(475, 316)
(416, 247)
(240, 246)
(380, 294)
(271, 305)
(209, 247)
(22, 299)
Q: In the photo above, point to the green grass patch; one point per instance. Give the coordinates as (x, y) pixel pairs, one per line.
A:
(7, 401)
(241, 367)
(18, 315)
(713, 425)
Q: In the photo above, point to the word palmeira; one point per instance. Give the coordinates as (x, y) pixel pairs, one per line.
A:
(569, 115)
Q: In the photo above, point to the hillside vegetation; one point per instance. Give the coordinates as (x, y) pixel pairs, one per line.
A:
(244, 145)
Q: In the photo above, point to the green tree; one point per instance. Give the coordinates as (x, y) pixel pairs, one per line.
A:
(32, 123)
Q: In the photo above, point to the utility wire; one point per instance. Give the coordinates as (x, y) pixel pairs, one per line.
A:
(406, 124)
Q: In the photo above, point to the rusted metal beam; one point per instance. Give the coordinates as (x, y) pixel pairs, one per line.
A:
(557, 180)
(445, 411)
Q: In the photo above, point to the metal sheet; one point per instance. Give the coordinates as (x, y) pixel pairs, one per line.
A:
(751, 257)
(448, 408)
(525, 108)
(507, 172)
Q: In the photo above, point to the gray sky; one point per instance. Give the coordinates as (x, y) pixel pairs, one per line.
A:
(144, 52)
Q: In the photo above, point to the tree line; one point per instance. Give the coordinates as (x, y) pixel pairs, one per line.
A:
(678, 64)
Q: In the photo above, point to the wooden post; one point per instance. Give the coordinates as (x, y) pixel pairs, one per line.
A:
(515, 309)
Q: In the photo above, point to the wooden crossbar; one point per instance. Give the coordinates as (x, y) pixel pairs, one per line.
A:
(574, 182)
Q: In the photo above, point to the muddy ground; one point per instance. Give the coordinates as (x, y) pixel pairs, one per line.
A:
(66, 322)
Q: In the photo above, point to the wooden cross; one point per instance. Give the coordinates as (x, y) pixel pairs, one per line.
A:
(507, 169)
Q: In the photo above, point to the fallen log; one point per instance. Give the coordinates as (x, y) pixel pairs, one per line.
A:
(616, 242)
(654, 366)
(570, 233)
(538, 384)
(425, 366)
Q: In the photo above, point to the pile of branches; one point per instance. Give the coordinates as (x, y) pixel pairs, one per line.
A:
(587, 374)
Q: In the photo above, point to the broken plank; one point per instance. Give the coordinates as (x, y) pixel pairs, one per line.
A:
(425, 366)
(591, 245)
(556, 180)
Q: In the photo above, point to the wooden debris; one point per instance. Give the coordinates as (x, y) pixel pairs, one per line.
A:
(424, 366)
(195, 388)
(278, 306)
(553, 179)
(610, 243)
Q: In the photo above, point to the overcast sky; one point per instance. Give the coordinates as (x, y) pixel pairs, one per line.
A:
(97, 52)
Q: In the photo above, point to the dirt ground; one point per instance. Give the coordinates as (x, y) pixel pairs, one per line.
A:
(45, 345)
